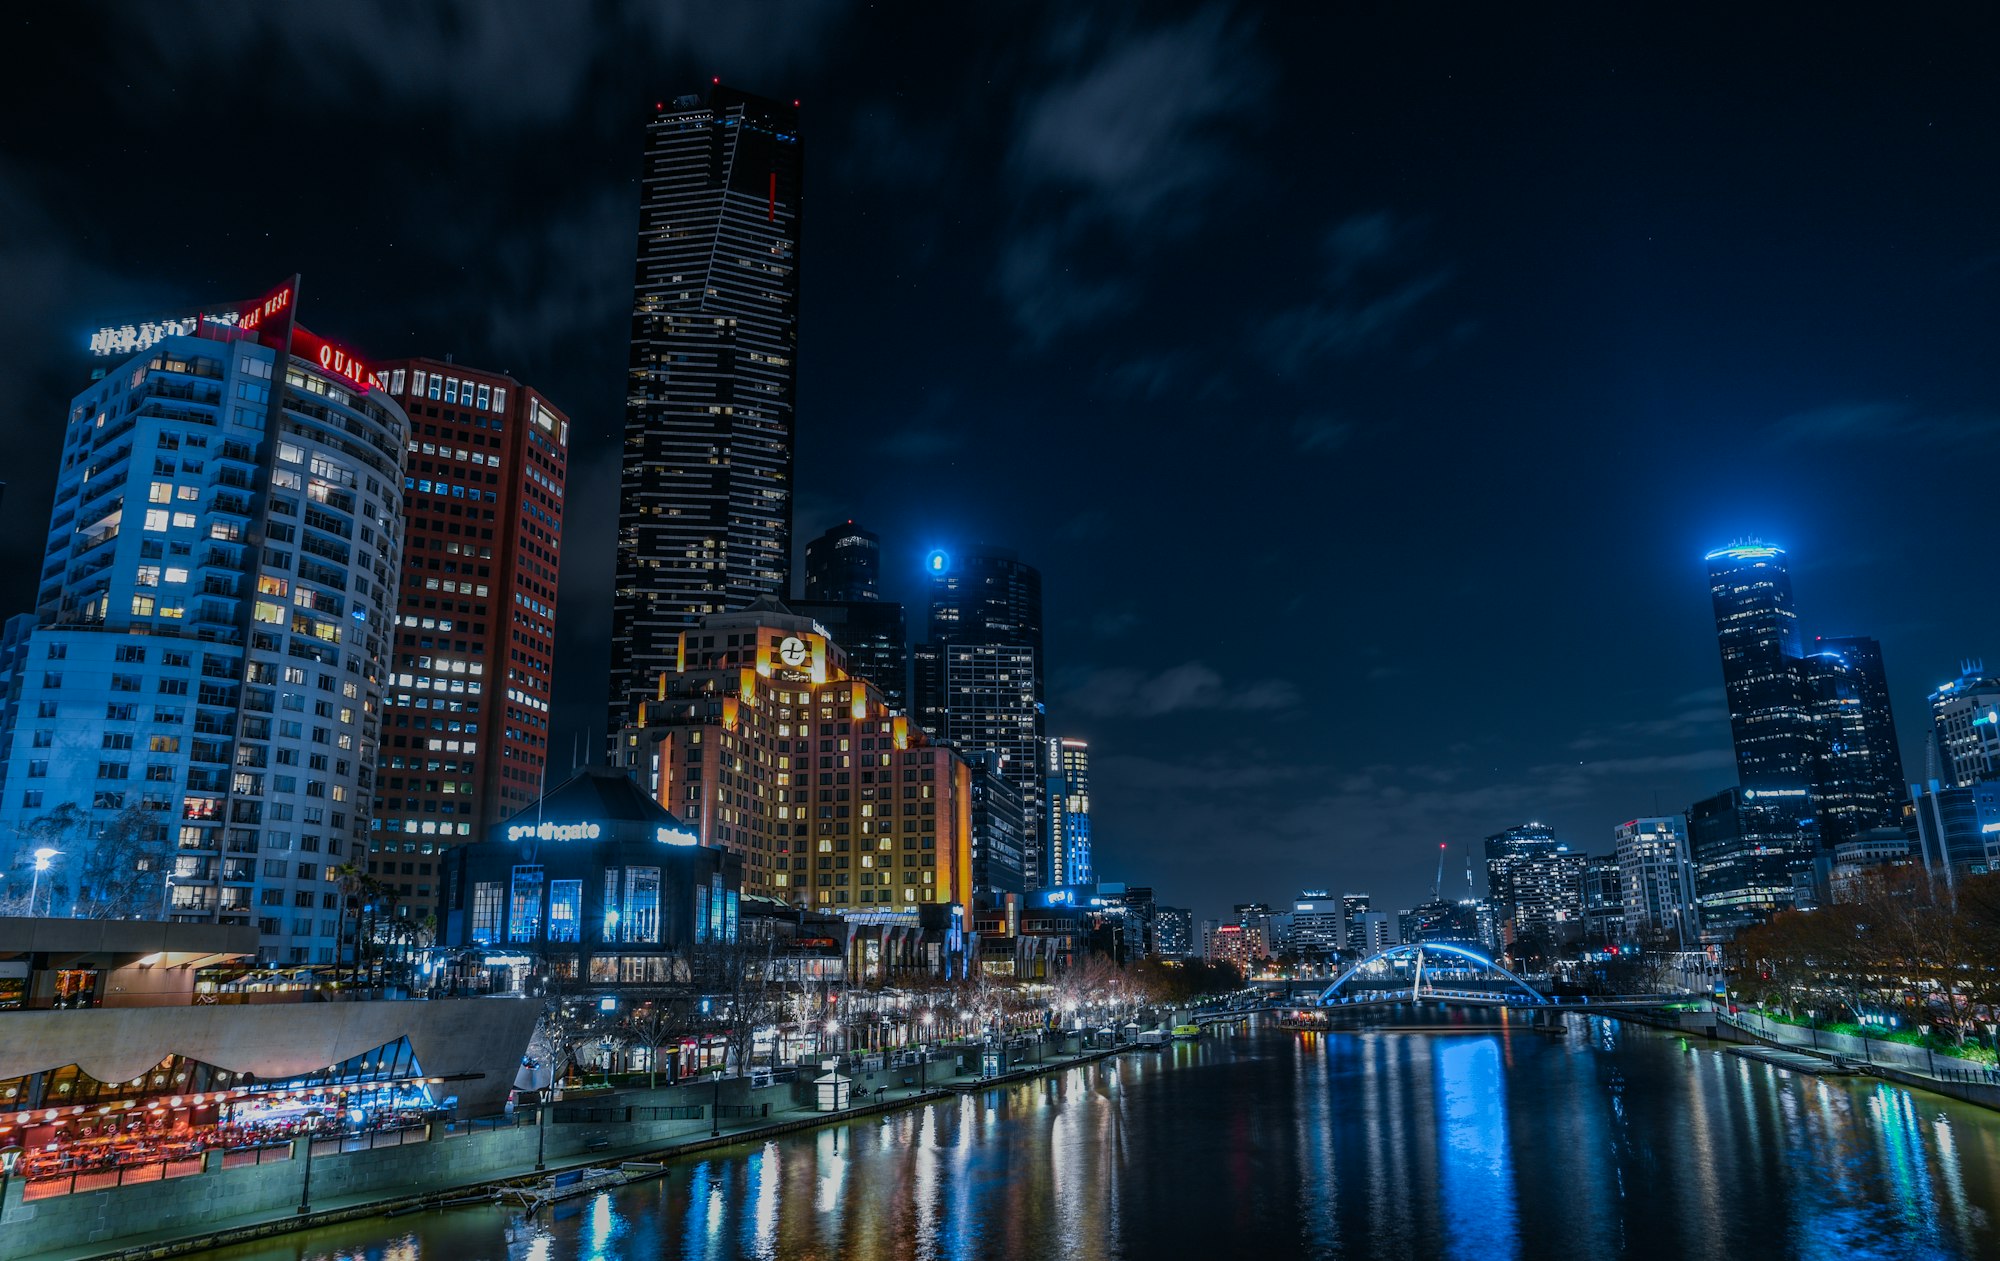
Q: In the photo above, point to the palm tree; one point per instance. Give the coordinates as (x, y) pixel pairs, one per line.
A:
(352, 882)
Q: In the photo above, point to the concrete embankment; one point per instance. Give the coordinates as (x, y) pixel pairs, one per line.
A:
(236, 1205)
(1836, 1051)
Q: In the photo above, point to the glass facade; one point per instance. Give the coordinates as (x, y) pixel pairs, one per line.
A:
(565, 910)
(713, 368)
(524, 907)
(1763, 676)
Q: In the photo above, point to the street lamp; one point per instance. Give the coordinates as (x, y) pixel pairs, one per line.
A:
(305, 1192)
(43, 857)
(924, 1051)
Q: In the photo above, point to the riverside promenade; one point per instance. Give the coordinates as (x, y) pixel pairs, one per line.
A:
(457, 1160)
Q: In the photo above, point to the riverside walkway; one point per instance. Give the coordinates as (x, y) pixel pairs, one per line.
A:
(580, 1131)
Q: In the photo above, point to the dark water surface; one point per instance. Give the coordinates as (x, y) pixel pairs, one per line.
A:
(1490, 1143)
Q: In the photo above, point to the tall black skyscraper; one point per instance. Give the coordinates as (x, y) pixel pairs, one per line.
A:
(705, 510)
(1770, 700)
(978, 682)
(1858, 766)
(845, 563)
(843, 576)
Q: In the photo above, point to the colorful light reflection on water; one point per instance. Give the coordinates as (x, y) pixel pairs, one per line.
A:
(1484, 1143)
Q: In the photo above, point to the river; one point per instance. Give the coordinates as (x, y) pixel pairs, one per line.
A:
(1482, 1142)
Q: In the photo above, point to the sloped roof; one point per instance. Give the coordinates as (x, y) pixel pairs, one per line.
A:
(602, 794)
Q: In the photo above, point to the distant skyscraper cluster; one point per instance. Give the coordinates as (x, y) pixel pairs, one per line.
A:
(1819, 800)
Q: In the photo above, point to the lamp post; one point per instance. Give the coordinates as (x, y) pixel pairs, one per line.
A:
(305, 1191)
(541, 1121)
(43, 857)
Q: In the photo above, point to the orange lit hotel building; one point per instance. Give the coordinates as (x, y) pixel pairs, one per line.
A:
(761, 742)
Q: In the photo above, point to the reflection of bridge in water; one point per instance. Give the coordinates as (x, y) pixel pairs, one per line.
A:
(1444, 973)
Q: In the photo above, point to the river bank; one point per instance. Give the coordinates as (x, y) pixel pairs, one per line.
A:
(1490, 1141)
(567, 1144)
(1839, 1052)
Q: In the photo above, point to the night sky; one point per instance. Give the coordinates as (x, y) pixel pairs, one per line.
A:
(1367, 385)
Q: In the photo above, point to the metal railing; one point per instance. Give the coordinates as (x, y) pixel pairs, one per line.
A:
(486, 1125)
(1921, 1061)
(72, 1181)
(675, 1112)
(256, 1154)
(367, 1140)
(742, 1110)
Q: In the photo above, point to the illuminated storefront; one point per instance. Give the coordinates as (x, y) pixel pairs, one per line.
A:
(598, 880)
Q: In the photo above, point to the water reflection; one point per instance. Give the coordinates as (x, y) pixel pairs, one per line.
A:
(1487, 1141)
(1476, 1172)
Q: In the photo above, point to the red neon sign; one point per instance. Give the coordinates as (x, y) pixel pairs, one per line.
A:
(278, 301)
(332, 359)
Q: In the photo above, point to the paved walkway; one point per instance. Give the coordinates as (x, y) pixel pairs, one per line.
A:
(940, 1082)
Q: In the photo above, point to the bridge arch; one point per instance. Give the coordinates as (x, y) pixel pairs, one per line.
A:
(1331, 995)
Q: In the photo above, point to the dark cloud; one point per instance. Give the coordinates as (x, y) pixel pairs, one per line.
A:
(1322, 434)
(1192, 686)
(496, 64)
(1125, 147)
(1886, 422)
(921, 444)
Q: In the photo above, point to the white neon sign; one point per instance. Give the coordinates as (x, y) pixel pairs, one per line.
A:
(553, 832)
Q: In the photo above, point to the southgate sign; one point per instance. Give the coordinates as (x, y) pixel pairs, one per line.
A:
(553, 832)
(589, 832)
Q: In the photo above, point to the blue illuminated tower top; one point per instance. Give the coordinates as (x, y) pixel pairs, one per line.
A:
(1756, 627)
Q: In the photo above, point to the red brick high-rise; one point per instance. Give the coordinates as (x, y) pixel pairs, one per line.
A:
(465, 726)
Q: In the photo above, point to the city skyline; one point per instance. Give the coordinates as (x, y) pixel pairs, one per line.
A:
(1404, 334)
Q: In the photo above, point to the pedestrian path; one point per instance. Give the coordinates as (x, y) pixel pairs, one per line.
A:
(1796, 1061)
(940, 1080)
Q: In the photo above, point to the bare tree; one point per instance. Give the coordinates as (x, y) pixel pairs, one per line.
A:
(655, 1023)
(735, 978)
(123, 873)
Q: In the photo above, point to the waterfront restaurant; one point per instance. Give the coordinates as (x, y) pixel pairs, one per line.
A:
(129, 1048)
(596, 881)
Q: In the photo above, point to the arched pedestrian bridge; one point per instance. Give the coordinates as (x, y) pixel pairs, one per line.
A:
(1445, 973)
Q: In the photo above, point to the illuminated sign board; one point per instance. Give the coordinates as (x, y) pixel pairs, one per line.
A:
(792, 651)
(266, 308)
(675, 836)
(268, 317)
(332, 359)
(1752, 793)
(553, 832)
(130, 339)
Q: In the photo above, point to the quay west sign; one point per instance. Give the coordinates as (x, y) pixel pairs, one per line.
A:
(268, 318)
